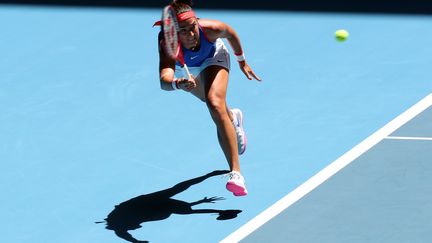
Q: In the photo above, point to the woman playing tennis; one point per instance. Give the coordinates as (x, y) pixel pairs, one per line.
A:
(209, 63)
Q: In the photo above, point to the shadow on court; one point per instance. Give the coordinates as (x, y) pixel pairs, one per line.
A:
(129, 215)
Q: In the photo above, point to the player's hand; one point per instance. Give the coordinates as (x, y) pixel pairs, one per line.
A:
(187, 84)
(247, 70)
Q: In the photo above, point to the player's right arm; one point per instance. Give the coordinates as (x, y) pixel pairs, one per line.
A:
(166, 73)
(166, 68)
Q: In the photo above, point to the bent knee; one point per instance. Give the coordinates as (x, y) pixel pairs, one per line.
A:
(216, 106)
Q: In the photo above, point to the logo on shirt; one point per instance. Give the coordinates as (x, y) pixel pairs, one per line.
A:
(193, 57)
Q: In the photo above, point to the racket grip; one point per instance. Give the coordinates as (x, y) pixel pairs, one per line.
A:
(186, 69)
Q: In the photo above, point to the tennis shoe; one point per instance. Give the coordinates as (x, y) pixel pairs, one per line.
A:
(236, 184)
(238, 126)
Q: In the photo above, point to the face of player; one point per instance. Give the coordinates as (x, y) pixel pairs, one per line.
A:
(189, 33)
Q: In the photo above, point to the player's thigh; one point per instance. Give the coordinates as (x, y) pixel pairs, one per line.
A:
(199, 90)
(212, 84)
(216, 82)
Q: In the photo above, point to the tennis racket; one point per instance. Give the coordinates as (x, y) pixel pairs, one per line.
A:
(172, 43)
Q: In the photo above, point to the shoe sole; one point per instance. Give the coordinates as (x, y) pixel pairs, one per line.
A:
(236, 189)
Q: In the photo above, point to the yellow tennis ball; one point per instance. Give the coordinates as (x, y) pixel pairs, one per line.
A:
(341, 35)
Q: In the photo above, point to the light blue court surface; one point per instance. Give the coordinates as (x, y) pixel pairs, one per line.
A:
(84, 125)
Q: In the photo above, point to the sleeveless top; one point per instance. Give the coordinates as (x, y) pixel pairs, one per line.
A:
(196, 58)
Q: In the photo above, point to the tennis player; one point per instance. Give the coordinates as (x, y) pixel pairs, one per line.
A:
(208, 61)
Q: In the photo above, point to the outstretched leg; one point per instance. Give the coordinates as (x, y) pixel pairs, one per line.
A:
(216, 83)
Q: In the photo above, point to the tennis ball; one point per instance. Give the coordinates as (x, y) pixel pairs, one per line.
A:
(341, 35)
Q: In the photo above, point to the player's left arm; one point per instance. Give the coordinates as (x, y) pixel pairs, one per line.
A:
(216, 29)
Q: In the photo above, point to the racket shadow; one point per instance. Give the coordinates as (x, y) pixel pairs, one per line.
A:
(129, 215)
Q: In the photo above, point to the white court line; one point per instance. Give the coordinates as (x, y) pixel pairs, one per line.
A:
(409, 138)
(328, 171)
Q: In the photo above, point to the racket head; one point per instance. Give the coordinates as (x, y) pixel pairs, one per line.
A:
(170, 30)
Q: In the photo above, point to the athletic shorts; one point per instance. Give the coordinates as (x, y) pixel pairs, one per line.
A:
(221, 58)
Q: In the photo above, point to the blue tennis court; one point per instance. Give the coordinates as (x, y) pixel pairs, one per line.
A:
(376, 192)
(86, 134)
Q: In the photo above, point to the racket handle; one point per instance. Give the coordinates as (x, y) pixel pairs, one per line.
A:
(186, 69)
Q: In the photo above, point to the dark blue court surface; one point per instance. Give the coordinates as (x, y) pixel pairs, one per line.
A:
(85, 127)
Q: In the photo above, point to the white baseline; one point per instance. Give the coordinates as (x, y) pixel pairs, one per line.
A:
(409, 138)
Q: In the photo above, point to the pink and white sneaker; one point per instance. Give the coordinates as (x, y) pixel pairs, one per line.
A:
(236, 184)
(238, 126)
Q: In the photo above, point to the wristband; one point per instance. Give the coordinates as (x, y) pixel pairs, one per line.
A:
(240, 57)
(174, 84)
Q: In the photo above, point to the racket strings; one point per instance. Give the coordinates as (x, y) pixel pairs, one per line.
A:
(170, 29)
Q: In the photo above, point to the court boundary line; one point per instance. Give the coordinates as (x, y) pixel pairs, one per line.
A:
(409, 138)
(328, 171)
